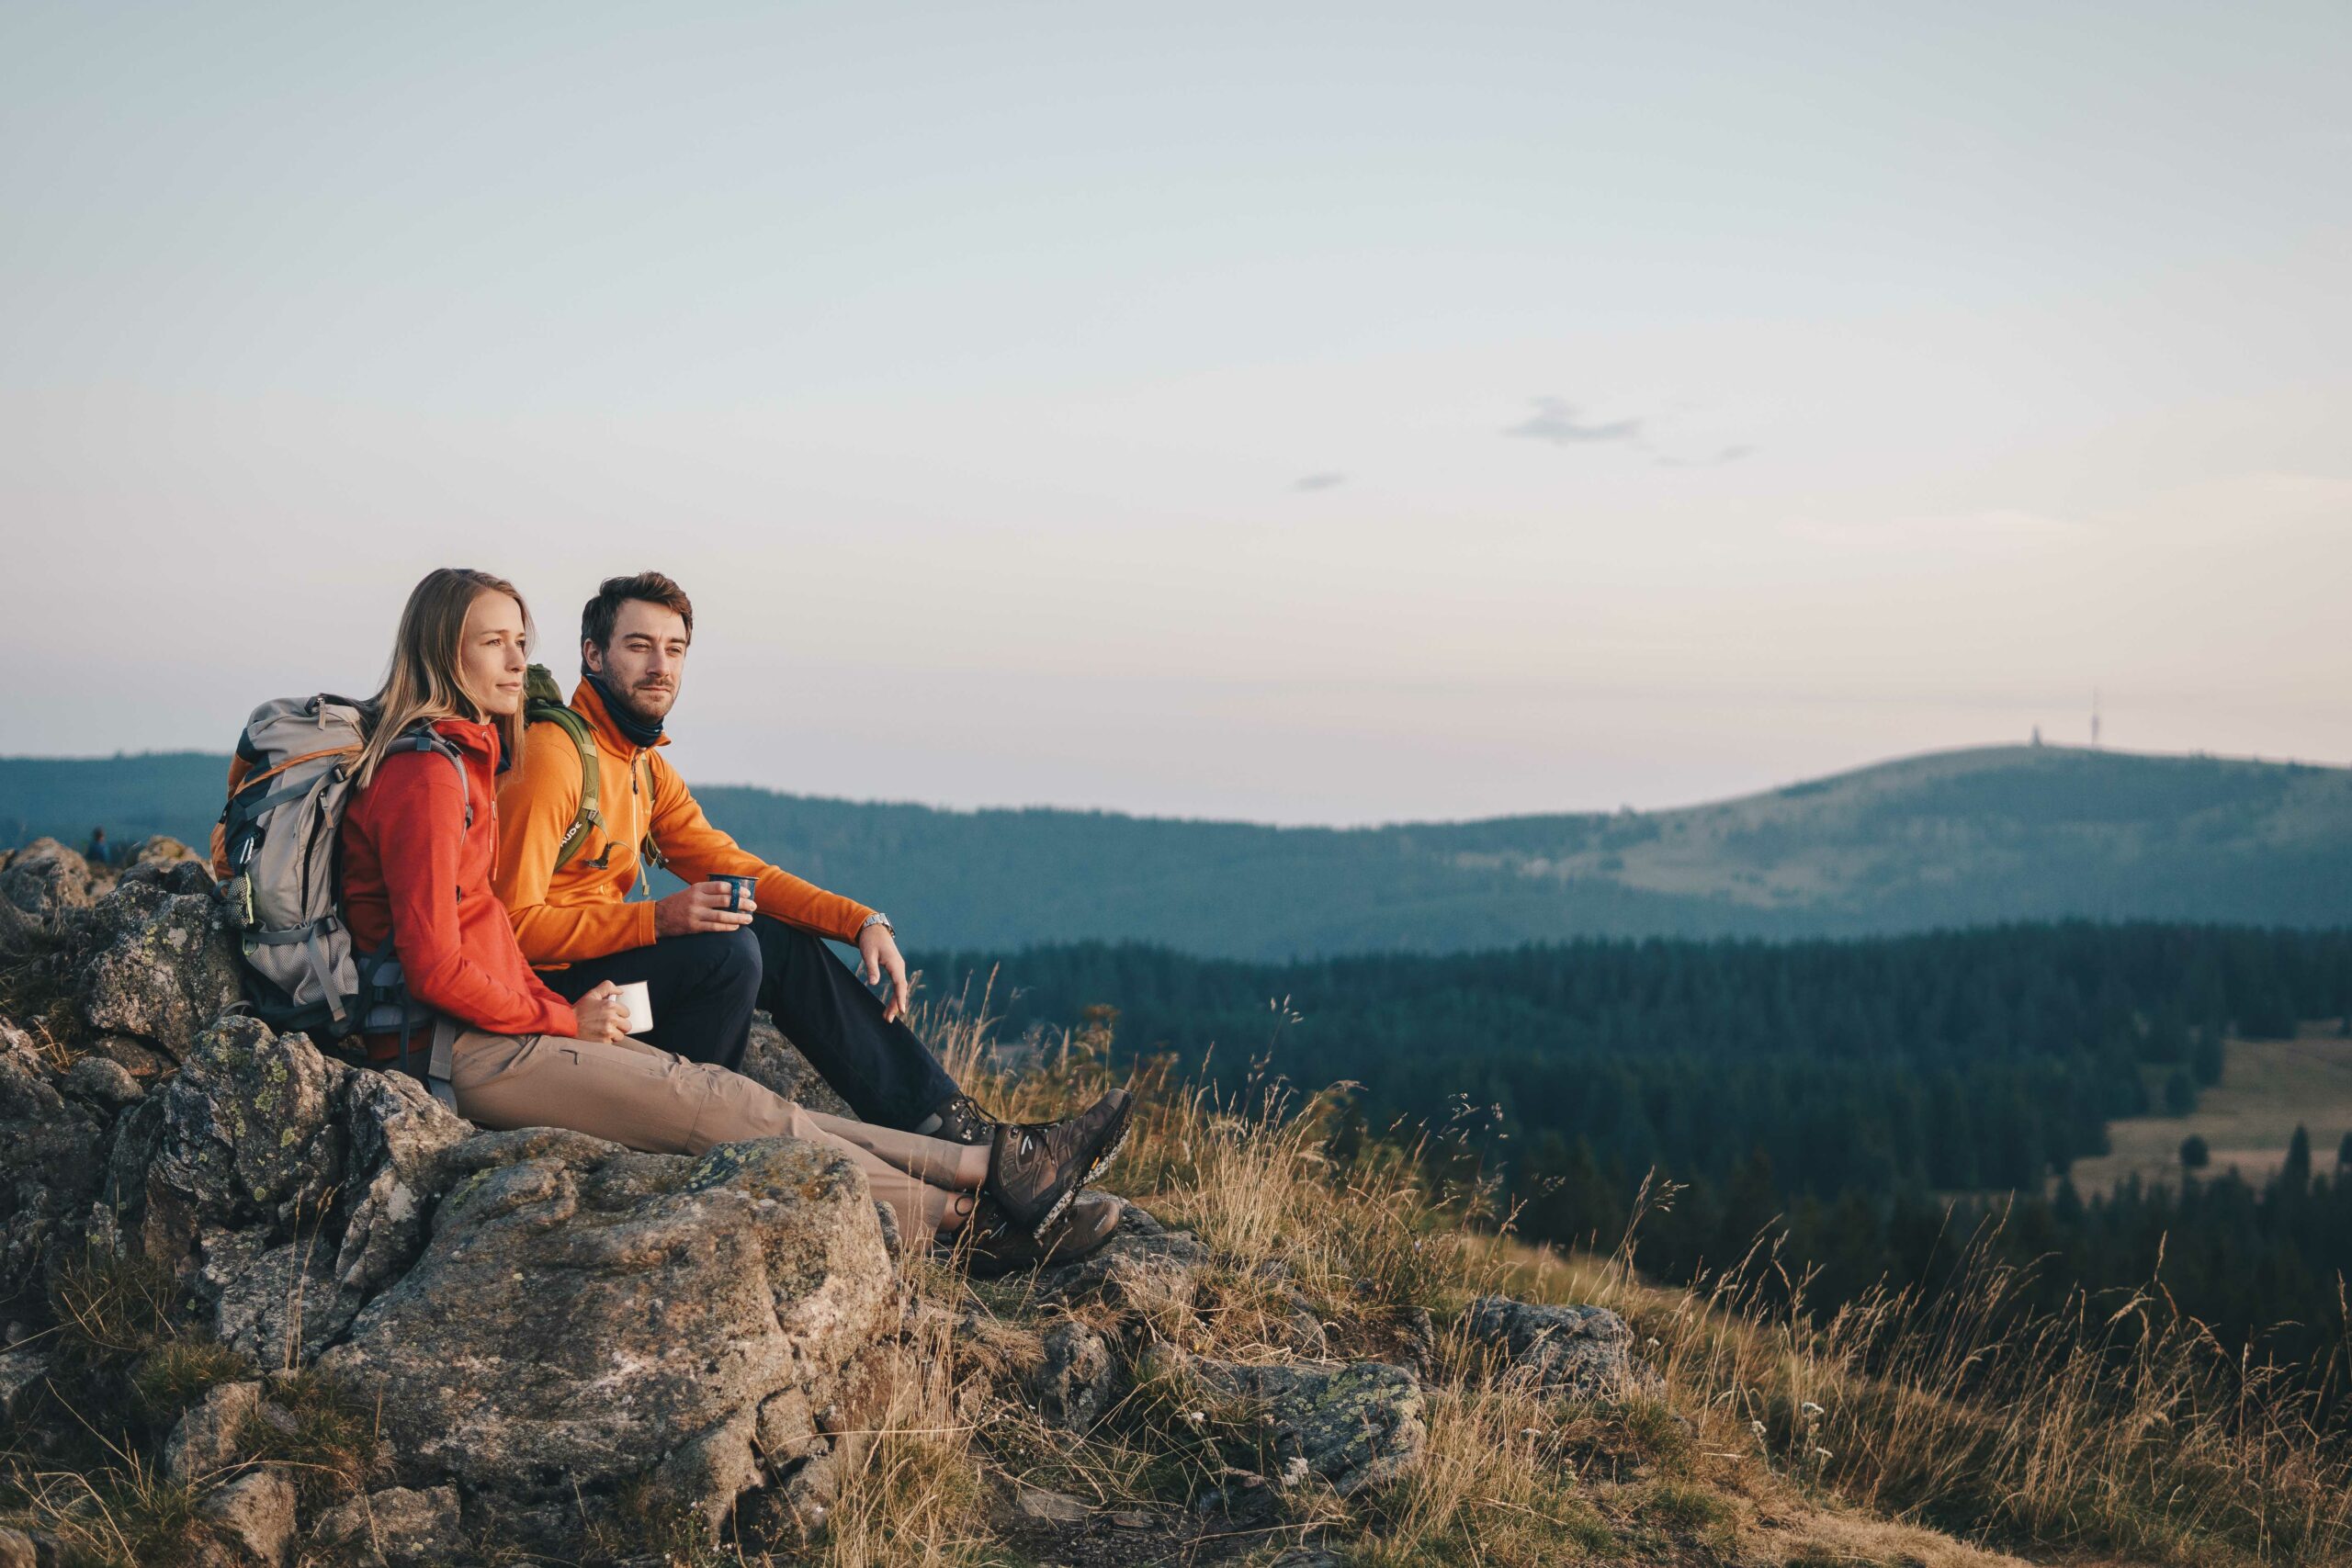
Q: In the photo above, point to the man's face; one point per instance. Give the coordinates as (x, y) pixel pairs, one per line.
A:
(646, 660)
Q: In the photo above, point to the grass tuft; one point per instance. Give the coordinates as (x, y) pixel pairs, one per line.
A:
(328, 1441)
(178, 1373)
(128, 1515)
(914, 1497)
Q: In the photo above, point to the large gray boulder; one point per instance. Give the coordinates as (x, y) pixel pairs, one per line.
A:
(157, 963)
(1586, 1353)
(45, 879)
(552, 1331)
(537, 1318)
(583, 1316)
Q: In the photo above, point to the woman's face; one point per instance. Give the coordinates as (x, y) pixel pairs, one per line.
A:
(491, 655)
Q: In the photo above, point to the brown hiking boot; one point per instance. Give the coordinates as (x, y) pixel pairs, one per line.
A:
(1036, 1167)
(997, 1246)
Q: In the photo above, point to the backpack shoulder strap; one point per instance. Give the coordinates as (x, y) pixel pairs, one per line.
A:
(424, 737)
(544, 705)
(649, 851)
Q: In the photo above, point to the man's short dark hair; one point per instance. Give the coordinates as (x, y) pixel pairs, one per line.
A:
(596, 616)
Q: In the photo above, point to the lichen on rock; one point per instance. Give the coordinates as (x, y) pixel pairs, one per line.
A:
(1583, 1352)
(157, 965)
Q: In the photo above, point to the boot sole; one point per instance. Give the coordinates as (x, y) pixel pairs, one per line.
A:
(983, 1265)
(1109, 1156)
(1099, 1161)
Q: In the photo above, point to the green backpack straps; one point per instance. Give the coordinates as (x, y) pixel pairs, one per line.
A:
(543, 702)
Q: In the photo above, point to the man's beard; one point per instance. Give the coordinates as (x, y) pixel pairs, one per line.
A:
(636, 697)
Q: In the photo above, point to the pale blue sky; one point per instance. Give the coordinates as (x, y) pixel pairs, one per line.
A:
(1312, 413)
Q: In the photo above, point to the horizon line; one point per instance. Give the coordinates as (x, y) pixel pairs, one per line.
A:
(1391, 823)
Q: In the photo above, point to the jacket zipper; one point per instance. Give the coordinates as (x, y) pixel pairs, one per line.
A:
(636, 839)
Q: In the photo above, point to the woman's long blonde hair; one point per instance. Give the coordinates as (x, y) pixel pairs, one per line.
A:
(423, 684)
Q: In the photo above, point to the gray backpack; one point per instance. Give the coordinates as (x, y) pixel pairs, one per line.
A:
(279, 850)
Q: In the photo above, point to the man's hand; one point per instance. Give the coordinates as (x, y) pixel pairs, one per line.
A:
(601, 1013)
(702, 907)
(878, 955)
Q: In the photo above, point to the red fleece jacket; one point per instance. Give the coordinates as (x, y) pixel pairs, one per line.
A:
(413, 869)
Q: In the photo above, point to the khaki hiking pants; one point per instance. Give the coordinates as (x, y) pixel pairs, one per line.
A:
(649, 1100)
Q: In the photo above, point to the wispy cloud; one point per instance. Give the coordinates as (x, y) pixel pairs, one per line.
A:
(1555, 420)
(1320, 481)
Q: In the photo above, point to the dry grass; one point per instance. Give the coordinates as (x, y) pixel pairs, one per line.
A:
(2128, 1429)
(912, 1496)
(1496, 1489)
(125, 1516)
(2122, 1430)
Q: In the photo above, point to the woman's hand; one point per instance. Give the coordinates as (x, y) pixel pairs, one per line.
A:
(601, 1013)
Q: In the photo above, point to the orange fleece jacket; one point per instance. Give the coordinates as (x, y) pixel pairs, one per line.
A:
(582, 911)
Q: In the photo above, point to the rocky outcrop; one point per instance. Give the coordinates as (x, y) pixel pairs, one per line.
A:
(535, 1321)
(581, 1309)
(1586, 1353)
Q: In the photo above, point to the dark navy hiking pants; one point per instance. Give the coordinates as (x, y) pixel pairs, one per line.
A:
(704, 986)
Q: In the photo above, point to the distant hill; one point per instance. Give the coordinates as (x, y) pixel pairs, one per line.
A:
(1946, 838)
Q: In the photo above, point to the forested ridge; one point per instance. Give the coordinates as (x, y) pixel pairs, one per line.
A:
(1959, 1060)
(1943, 839)
(1868, 1101)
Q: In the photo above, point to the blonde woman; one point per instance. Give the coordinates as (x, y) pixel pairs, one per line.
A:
(419, 840)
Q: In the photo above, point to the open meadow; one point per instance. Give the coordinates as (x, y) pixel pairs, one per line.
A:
(2268, 1088)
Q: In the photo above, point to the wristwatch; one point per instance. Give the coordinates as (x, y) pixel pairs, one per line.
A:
(877, 919)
